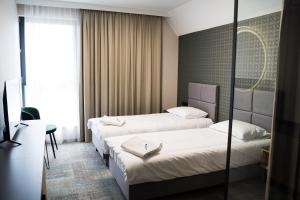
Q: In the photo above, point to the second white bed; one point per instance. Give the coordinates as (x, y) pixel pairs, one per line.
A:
(200, 96)
(184, 153)
(142, 124)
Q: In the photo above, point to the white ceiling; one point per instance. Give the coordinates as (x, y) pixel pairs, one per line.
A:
(151, 7)
(158, 5)
(184, 16)
(197, 15)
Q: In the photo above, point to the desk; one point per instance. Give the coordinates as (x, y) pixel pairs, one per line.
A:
(22, 167)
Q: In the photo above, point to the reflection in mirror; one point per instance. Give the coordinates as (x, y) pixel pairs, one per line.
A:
(251, 59)
(255, 80)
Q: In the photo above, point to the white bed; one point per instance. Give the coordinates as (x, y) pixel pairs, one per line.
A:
(142, 124)
(184, 153)
(196, 158)
(202, 96)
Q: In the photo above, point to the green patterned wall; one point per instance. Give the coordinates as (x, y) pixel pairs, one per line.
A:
(205, 57)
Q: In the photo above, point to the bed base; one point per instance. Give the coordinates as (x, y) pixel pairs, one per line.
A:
(178, 185)
(105, 157)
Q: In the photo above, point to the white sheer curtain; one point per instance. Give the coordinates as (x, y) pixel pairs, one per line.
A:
(52, 45)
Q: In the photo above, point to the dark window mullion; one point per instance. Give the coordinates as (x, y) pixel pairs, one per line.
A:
(22, 55)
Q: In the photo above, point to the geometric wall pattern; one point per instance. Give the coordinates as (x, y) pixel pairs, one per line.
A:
(250, 56)
(205, 57)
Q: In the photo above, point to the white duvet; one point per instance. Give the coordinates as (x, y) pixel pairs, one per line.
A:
(143, 124)
(184, 153)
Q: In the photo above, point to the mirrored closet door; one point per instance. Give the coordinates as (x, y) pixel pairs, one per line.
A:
(284, 175)
(257, 44)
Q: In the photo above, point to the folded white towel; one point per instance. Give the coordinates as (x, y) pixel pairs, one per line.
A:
(113, 121)
(141, 148)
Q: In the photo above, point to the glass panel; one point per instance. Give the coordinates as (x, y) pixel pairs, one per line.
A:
(284, 176)
(255, 82)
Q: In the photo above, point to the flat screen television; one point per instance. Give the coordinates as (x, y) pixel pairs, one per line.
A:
(12, 105)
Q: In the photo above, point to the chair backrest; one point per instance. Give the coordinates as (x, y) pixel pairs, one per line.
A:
(26, 116)
(30, 113)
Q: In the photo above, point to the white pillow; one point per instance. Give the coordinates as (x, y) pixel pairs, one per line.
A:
(188, 112)
(241, 130)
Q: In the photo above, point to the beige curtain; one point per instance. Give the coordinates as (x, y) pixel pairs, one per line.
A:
(121, 65)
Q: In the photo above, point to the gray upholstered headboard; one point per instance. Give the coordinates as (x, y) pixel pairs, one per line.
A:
(254, 106)
(204, 97)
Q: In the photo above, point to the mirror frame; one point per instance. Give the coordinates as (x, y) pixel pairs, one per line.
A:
(232, 86)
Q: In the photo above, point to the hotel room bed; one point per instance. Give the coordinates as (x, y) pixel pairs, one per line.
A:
(184, 153)
(194, 158)
(142, 124)
(202, 96)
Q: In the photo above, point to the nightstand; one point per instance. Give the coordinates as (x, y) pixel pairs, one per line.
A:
(265, 151)
(264, 163)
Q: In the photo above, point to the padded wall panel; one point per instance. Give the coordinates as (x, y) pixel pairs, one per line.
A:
(243, 99)
(204, 97)
(207, 107)
(241, 115)
(262, 121)
(263, 102)
(194, 91)
(208, 93)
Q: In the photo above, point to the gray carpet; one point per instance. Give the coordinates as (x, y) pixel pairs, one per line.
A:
(78, 173)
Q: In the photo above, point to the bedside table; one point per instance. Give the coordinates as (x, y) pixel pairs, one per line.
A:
(264, 162)
(265, 151)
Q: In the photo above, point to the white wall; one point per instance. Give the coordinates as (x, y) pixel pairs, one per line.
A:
(169, 66)
(197, 15)
(9, 46)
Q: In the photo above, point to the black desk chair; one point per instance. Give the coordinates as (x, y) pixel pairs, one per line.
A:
(30, 113)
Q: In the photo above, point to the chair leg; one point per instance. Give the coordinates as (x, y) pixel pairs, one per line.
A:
(51, 140)
(46, 162)
(54, 140)
(47, 155)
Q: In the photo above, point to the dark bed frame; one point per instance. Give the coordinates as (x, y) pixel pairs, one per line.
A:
(152, 190)
(251, 106)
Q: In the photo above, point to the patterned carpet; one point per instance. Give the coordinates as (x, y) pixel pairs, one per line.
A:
(78, 173)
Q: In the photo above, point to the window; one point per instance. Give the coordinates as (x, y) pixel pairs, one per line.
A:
(52, 68)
